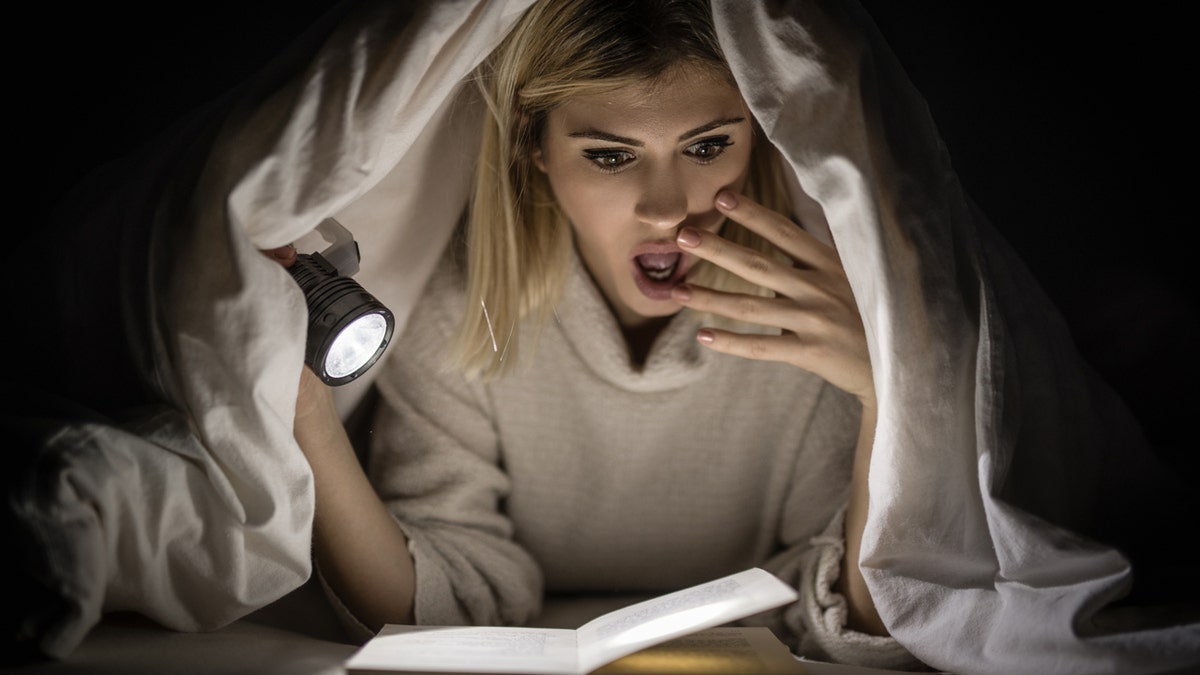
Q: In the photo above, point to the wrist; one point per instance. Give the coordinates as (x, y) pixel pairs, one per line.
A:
(317, 426)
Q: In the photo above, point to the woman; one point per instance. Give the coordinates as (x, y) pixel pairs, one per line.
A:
(632, 158)
(658, 376)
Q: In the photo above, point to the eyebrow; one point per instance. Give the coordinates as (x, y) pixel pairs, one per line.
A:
(613, 138)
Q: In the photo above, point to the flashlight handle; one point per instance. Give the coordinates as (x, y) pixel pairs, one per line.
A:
(342, 251)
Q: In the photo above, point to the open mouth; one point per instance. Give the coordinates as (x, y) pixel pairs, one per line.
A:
(657, 270)
(658, 267)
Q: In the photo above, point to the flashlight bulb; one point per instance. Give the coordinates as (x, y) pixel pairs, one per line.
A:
(356, 344)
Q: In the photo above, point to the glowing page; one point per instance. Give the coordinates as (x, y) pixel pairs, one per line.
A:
(554, 651)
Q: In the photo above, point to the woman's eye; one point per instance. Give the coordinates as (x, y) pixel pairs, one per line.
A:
(709, 149)
(609, 160)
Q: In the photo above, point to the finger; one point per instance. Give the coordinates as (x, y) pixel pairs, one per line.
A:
(757, 267)
(284, 255)
(786, 235)
(849, 372)
(783, 348)
(774, 312)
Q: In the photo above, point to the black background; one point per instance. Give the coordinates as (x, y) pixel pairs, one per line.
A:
(1073, 131)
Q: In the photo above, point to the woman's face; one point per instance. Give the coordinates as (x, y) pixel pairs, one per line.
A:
(631, 167)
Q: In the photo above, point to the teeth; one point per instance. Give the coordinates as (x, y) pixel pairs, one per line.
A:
(658, 266)
(660, 275)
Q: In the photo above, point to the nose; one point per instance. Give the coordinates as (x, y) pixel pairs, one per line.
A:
(663, 201)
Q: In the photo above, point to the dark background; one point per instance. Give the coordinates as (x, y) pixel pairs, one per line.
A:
(1073, 131)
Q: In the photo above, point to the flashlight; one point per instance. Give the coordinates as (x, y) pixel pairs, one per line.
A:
(348, 329)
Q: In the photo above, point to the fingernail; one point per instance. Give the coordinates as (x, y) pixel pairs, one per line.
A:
(726, 200)
(285, 255)
(682, 293)
(688, 237)
(705, 335)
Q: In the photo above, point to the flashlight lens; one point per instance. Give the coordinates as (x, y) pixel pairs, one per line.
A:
(355, 345)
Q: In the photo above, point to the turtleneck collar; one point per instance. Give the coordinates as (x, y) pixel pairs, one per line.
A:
(588, 324)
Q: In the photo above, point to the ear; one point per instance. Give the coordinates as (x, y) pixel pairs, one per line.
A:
(524, 132)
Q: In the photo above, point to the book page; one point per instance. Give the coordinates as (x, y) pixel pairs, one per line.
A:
(710, 604)
(455, 649)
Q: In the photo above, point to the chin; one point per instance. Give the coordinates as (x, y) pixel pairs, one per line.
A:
(656, 309)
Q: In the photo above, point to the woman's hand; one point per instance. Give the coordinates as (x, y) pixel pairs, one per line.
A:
(813, 304)
(317, 416)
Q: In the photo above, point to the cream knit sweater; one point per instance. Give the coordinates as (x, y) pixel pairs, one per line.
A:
(580, 473)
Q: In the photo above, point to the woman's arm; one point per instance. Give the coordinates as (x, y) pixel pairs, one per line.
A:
(433, 499)
(863, 616)
(822, 332)
(360, 550)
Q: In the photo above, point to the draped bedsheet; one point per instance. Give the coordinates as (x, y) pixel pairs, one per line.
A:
(1009, 487)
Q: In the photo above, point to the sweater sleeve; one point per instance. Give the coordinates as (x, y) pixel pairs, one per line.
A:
(813, 545)
(820, 615)
(435, 462)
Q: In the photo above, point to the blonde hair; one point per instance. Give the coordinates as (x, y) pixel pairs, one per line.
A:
(517, 241)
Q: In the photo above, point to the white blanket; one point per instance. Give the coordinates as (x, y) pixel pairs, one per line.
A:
(1000, 463)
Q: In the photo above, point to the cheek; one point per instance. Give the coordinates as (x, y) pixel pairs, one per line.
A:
(734, 175)
(588, 199)
(709, 180)
(579, 200)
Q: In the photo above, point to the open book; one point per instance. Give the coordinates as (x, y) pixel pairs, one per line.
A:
(560, 651)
